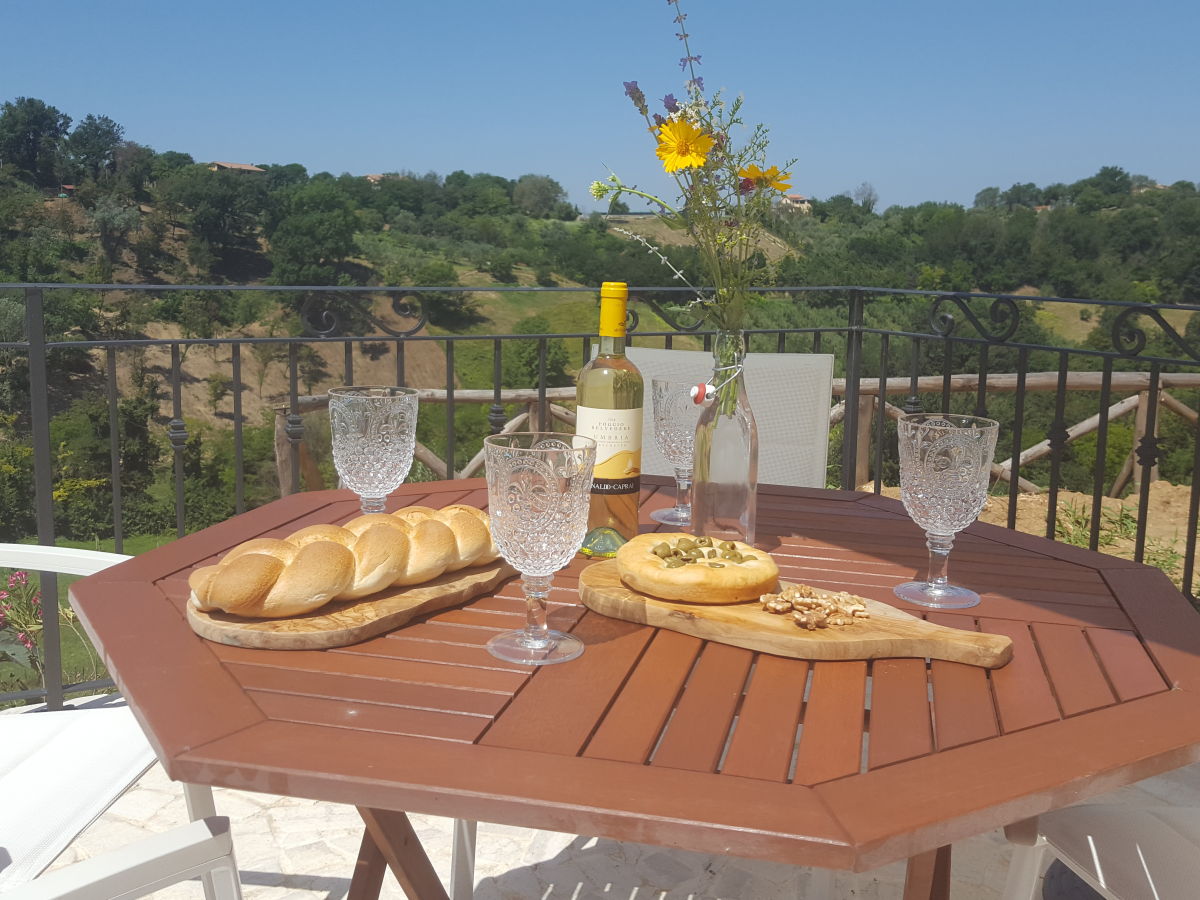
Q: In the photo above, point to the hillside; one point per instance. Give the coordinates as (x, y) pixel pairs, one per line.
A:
(660, 235)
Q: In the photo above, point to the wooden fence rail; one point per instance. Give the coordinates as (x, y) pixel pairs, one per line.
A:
(286, 449)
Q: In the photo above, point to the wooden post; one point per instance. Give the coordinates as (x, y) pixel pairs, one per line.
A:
(862, 450)
(283, 456)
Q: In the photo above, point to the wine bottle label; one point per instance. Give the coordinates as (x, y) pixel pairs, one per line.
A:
(618, 436)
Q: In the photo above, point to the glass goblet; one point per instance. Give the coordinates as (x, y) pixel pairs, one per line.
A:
(675, 417)
(945, 466)
(539, 491)
(374, 431)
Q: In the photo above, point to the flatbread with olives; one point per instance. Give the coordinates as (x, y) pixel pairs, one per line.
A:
(677, 566)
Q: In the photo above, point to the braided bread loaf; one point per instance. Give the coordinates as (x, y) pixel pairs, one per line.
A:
(267, 578)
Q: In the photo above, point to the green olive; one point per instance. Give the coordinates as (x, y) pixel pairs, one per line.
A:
(686, 544)
(716, 565)
(728, 545)
(704, 541)
(673, 562)
(663, 550)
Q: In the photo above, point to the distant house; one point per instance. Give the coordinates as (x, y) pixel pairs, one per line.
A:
(386, 176)
(233, 167)
(796, 203)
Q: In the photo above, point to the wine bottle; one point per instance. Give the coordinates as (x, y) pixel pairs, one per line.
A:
(609, 396)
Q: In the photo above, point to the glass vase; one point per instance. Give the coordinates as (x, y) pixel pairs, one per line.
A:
(725, 480)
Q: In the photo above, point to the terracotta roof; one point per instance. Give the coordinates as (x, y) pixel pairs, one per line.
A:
(240, 167)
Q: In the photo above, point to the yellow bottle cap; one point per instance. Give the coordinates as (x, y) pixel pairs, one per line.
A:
(614, 297)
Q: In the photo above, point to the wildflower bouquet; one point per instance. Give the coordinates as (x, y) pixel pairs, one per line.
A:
(725, 190)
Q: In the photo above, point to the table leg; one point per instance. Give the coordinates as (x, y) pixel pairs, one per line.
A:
(368, 871)
(394, 839)
(928, 876)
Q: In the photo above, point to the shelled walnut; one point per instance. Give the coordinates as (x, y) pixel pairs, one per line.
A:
(813, 608)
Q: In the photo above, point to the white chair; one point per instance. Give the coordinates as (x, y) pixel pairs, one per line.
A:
(60, 770)
(790, 394)
(1122, 852)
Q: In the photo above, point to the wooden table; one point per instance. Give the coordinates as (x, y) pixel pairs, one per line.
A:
(660, 738)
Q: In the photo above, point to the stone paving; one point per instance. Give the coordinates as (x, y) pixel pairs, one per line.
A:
(290, 849)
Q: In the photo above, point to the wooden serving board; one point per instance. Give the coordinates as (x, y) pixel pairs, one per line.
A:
(889, 632)
(349, 621)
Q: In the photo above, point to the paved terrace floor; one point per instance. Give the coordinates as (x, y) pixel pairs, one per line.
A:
(290, 849)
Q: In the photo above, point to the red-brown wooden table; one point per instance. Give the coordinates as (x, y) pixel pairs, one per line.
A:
(664, 739)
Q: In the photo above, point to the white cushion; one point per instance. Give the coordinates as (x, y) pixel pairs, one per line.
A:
(790, 394)
(1131, 853)
(58, 772)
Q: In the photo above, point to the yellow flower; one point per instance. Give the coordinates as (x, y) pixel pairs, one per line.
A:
(772, 177)
(681, 145)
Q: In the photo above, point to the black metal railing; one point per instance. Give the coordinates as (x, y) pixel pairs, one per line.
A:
(979, 353)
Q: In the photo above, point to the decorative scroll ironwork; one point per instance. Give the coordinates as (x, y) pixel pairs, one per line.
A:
(1003, 314)
(323, 320)
(1129, 339)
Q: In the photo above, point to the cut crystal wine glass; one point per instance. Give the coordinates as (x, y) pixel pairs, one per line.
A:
(945, 466)
(675, 416)
(539, 491)
(374, 434)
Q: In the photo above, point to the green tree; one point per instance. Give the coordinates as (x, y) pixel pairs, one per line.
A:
(93, 145)
(134, 167)
(452, 310)
(537, 195)
(314, 235)
(520, 366)
(221, 209)
(113, 220)
(31, 137)
(1021, 195)
(988, 198)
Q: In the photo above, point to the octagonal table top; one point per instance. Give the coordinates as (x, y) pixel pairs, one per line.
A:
(662, 738)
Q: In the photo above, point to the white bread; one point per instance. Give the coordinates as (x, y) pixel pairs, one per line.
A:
(270, 578)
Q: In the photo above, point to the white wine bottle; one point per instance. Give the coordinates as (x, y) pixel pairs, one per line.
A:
(609, 396)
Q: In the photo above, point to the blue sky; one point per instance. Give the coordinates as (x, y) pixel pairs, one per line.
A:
(925, 99)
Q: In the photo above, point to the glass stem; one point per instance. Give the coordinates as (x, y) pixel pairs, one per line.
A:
(683, 492)
(537, 589)
(939, 559)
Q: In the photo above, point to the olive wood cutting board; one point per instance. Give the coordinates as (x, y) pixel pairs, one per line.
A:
(888, 632)
(339, 623)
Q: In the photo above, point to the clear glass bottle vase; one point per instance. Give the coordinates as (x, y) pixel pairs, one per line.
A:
(725, 480)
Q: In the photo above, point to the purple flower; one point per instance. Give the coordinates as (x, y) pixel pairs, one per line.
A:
(684, 61)
(746, 186)
(679, 18)
(634, 93)
(659, 121)
(671, 104)
(697, 84)
(682, 35)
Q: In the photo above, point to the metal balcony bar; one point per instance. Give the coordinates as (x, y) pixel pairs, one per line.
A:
(952, 352)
